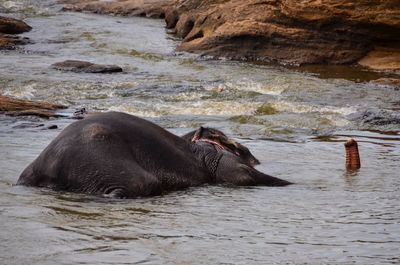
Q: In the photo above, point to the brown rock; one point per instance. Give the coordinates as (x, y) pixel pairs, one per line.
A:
(12, 26)
(395, 82)
(19, 107)
(11, 41)
(287, 31)
(296, 32)
(382, 59)
(145, 8)
(85, 67)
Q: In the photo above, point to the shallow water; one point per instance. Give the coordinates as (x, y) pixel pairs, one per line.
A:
(329, 216)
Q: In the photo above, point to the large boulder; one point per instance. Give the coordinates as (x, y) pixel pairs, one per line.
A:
(294, 32)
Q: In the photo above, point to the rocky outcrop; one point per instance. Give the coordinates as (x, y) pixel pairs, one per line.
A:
(294, 32)
(86, 67)
(8, 28)
(19, 107)
(286, 31)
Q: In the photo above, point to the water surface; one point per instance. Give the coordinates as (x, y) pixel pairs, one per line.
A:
(294, 122)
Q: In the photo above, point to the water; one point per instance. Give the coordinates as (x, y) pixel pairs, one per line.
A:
(329, 216)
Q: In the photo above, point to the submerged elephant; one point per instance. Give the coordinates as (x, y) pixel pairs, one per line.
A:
(119, 155)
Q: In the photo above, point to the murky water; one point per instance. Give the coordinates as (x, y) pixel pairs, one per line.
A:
(294, 122)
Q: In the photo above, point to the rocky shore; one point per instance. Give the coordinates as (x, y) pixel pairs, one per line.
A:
(286, 32)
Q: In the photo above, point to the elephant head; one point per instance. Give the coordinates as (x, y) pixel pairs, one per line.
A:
(225, 167)
(220, 140)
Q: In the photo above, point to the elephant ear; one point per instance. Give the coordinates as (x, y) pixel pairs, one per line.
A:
(198, 134)
(218, 138)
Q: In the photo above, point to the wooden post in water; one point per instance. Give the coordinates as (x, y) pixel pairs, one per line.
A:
(352, 155)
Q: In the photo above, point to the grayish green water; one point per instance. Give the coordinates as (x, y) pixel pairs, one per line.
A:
(329, 216)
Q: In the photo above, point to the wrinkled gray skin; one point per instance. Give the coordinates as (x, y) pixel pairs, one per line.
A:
(123, 156)
(214, 135)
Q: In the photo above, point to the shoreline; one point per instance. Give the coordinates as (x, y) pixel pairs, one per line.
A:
(287, 34)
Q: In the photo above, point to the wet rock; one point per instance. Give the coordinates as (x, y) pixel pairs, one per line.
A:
(9, 42)
(32, 125)
(13, 26)
(20, 107)
(9, 26)
(149, 8)
(26, 125)
(294, 32)
(382, 59)
(386, 81)
(377, 119)
(288, 31)
(80, 113)
(85, 67)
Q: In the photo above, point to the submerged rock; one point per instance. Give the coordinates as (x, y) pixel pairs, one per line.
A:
(9, 26)
(9, 42)
(387, 81)
(377, 119)
(85, 67)
(19, 107)
(288, 32)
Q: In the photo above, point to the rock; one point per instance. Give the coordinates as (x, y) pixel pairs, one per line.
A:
(377, 119)
(387, 81)
(10, 41)
(20, 107)
(13, 26)
(27, 125)
(148, 8)
(382, 59)
(294, 32)
(85, 67)
(287, 31)
(10, 26)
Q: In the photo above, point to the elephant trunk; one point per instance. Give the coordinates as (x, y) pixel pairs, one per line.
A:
(352, 155)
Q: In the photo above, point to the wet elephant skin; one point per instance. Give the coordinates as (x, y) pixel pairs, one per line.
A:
(120, 155)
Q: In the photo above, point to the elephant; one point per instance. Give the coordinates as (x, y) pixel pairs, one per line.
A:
(222, 141)
(118, 155)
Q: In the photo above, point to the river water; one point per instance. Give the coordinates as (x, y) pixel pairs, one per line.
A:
(294, 121)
